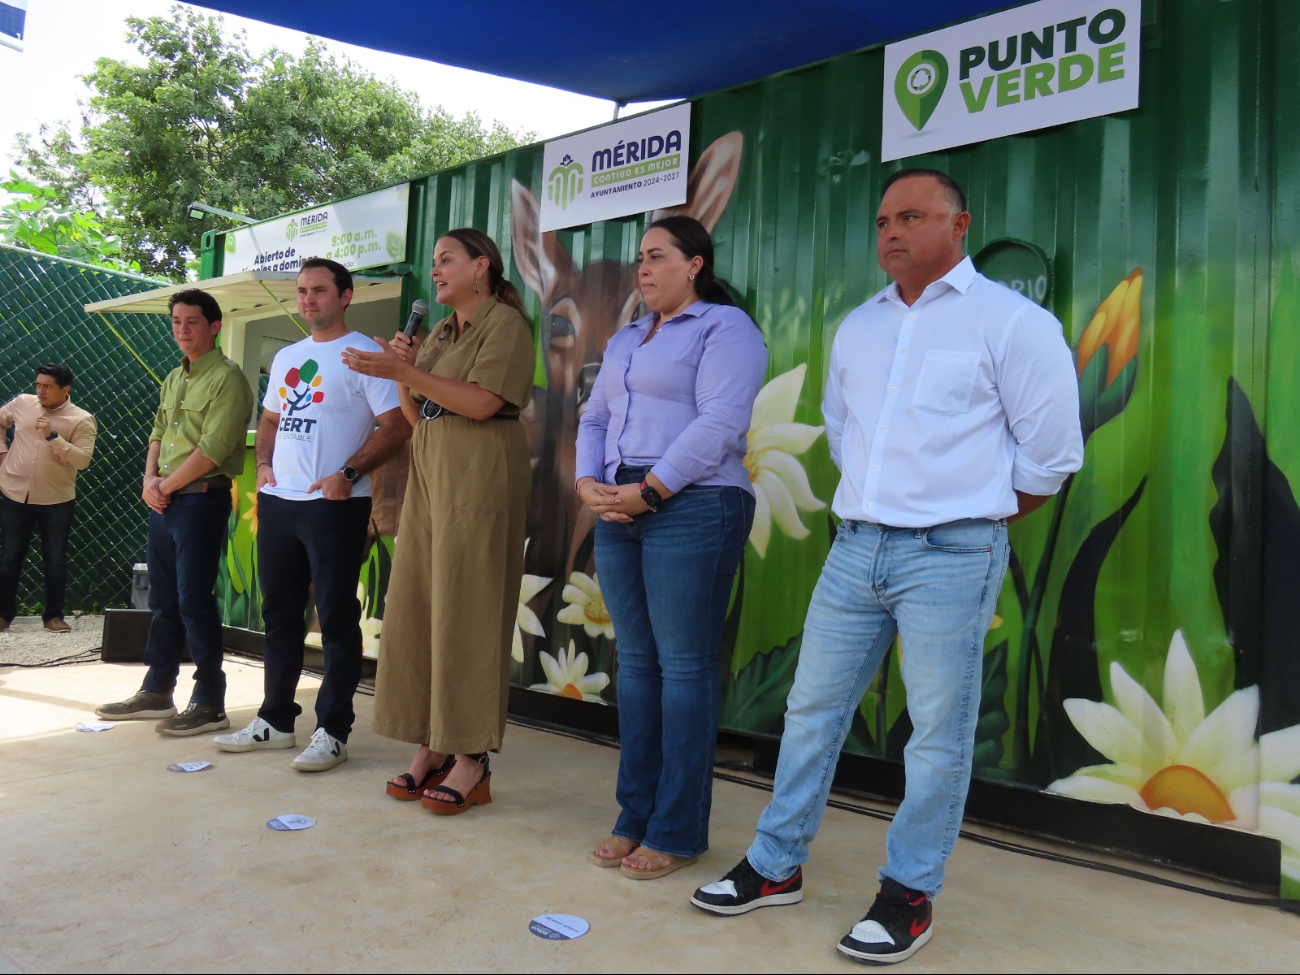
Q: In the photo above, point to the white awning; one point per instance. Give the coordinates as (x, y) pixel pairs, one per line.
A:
(248, 294)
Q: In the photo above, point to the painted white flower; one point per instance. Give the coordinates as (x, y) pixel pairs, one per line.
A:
(525, 619)
(781, 488)
(568, 677)
(370, 626)
(1181, 762)
(586, 606)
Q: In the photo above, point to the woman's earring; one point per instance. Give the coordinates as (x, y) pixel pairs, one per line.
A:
(690, 277)
(476, 285)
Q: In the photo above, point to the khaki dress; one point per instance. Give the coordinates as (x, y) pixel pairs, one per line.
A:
(444, 657)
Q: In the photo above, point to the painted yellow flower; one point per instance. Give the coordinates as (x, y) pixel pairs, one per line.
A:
(568, 677)
(250, 515)
(1115, 325)
(525, 619)
(1178, 761)
(781, 488)
(586, 606)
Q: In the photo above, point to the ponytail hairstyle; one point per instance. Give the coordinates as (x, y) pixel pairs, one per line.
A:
(690, 237)
(478, 244)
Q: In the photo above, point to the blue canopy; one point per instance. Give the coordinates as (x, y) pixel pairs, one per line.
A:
(615, 49)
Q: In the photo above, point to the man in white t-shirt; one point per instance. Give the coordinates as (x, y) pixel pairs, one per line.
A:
(323, 429)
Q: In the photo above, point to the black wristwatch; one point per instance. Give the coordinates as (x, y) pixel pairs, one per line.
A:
(53, 436)
(650, 496)
(350, 473)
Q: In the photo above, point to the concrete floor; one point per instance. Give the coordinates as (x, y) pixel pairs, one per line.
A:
(110, 863)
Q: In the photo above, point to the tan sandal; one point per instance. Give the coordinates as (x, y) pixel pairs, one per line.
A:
(666, 864)
(614, 842)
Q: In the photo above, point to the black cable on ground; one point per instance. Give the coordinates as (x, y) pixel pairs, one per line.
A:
(80, 657)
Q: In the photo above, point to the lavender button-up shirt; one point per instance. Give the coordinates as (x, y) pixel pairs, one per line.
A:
(681, 402)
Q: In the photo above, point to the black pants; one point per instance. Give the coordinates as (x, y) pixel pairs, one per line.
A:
(300, 543)
(17, 521)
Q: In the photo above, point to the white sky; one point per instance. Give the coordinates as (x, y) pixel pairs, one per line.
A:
(65, 37)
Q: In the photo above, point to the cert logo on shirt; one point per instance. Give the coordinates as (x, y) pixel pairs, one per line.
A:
(301, 391)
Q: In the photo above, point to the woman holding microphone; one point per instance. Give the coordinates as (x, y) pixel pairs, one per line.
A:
(444, 661)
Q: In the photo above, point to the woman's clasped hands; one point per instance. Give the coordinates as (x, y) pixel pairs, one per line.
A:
(612, 502)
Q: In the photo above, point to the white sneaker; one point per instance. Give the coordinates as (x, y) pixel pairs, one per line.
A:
(324, 752)
(257, 735)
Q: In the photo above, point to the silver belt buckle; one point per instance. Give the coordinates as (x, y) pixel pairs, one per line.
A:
(430, 410)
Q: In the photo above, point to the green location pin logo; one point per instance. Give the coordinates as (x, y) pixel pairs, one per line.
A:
(919, 85)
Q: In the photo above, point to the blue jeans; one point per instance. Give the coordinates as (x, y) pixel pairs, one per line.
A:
(937, 588)
(666, 579)
(186, 544)
(17, 521)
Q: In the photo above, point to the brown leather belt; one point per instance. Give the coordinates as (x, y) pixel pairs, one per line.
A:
(205, 484)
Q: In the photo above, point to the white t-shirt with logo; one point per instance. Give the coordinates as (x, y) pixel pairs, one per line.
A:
(326, 411)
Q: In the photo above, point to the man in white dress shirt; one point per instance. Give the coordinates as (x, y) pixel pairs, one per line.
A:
(951, 408)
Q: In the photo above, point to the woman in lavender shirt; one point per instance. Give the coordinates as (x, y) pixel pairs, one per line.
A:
(661, 451)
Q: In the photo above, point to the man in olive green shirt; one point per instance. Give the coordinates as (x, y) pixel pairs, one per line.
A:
(195, 450)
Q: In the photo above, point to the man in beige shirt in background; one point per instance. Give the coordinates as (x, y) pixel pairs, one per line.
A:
(53, 439)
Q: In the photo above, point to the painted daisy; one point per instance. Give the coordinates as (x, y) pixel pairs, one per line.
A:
(781, 488)
(586, 606)
(568, 677)
(1178, 761)
(525, 619)
(370, 626)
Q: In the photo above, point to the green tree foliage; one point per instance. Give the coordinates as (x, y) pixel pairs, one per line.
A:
(32, 216)
(205, 119)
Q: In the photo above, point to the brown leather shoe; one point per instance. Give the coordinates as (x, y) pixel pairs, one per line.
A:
(4, 624)
(58, 625)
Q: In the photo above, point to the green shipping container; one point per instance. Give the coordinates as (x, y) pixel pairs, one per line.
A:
(1146, 649)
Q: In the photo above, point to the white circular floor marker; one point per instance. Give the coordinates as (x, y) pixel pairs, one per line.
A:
(558, 927)
(289, 821)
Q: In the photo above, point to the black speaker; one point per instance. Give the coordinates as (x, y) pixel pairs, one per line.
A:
(125, 632)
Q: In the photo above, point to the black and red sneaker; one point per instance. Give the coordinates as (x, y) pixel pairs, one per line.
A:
(895, 928)
(744, 889)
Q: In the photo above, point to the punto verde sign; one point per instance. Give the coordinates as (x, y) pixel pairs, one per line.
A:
(632, 166)
(1041, 64)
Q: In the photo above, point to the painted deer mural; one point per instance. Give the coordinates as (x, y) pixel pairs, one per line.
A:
(580, 309)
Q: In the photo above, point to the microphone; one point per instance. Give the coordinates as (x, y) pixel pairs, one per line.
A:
(419, 309)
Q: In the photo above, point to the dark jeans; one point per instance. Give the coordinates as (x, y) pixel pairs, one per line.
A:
(666, 578)
(186, 544)
(16, 523)
(301, 543)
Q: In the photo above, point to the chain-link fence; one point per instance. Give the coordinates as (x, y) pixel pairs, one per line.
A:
(117, 363)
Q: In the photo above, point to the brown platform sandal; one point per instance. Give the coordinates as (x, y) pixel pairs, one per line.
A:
(614, 842)
(479, 795)
(413, 790)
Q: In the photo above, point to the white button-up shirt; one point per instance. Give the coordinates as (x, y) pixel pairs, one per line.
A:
(944, 409)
